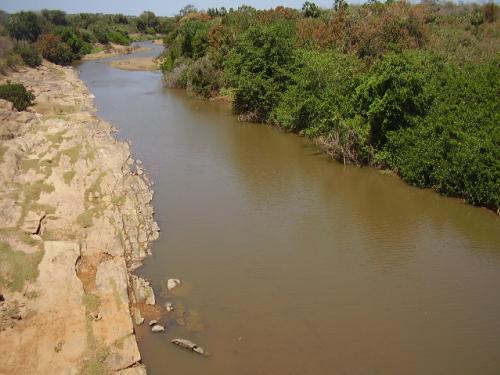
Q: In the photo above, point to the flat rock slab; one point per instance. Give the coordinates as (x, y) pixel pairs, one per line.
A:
(59, 318)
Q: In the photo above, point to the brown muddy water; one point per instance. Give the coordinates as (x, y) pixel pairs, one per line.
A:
(293, 263)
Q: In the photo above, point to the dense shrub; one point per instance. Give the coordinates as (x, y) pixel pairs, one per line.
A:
(394, 95)
(260, 68)
(319, 102)
(73, 40)
(24, 26)
(203, 78)
(54, 49)
(17, 94)
(456, 148)
(28, 53)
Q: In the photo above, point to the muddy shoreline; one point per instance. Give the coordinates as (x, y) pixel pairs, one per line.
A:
(76, 221)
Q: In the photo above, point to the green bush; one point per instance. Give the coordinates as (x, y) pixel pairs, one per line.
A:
(17, 94)
(203, 78)
(54, 49)
(24, 26)
(260, 67)
(73, 40)
(29, 54)
(119, 36)
(456, 148)
(394, 95)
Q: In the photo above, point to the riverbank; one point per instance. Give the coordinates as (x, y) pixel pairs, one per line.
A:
(76, 220)
(146, 63)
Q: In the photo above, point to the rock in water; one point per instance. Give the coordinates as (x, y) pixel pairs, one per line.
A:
(169, 306)
(172, 283)
(189, 345)
(152, 322)
(157, 328)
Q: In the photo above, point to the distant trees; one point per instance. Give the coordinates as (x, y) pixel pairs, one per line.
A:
(148, 23)
(310, 10)
(24, 26)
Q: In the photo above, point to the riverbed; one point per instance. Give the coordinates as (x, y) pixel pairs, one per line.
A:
(291, 262)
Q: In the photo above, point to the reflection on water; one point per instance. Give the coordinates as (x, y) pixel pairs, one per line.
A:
(293, 263)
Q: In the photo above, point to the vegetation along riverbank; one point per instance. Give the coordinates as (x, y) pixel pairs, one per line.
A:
(412, 88)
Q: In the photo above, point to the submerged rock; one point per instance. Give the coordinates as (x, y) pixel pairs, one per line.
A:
(189, 345)
(157, 328)
(172, 283)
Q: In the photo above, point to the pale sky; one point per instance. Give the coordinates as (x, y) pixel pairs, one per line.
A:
(135, 7)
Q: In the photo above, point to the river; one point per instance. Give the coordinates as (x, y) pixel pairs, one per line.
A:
(293, 263)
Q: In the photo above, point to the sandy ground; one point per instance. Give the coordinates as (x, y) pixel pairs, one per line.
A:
(136, 63)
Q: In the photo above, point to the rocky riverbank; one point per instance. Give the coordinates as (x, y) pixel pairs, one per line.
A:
(76, 219)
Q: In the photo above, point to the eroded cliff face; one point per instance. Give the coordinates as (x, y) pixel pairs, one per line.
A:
(75, 219)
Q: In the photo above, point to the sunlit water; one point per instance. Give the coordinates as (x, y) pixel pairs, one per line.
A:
(294, 263)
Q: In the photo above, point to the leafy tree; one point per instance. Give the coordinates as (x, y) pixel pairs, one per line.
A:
(187, 9)
(260, 67)
(148, 22)
(394, 95)
(310, 9)
(24, 26)
(56, 17)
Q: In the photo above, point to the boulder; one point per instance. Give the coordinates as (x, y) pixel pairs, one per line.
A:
(172, 283)
(157, 328)
(169, 306)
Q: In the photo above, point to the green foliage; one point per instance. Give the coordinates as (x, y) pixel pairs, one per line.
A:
(55, 17)
(394, 95)
(53, 48)
(260, 68)
(456, 148)
(17, 94)
(148, 23)
(74, 41)
(24, 26)
(310, 10)
(28, 53)
(203, 78)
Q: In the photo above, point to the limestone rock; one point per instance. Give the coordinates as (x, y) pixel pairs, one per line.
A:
(123, 354)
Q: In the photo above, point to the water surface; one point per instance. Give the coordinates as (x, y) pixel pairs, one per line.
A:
(294, 263)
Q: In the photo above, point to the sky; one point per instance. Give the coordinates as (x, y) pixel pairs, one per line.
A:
(135, 7)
